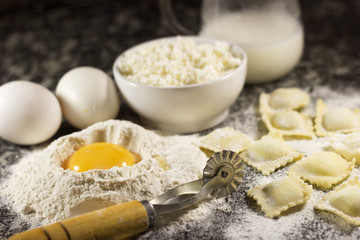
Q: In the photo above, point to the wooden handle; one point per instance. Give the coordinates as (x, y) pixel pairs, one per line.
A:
(115, 222)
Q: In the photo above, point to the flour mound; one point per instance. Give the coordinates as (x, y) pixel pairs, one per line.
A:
(42, 191)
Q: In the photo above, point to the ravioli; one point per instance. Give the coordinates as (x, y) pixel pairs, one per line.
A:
(347, 145)
(289, 123)
(283, 99)
(344, 201)
(335, 120)
(323, 169)
(225, 138)
(269, 153)
(280, 195)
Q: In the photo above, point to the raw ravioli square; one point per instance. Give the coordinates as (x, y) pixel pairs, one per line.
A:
(323, 169)
(344, 201)
(269, 153)
(329, 121)
(280, 195)
(282, 99)
(225, 139)
(289, 123)
(347, 145)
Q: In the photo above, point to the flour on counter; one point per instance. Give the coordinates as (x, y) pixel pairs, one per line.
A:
(42, 191)
(250, 221)
(241, 216)
(247, 221)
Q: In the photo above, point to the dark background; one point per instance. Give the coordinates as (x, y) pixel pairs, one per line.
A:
(41, 40)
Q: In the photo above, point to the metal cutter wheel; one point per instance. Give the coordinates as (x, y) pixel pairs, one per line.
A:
(221, 177)
(230, 168)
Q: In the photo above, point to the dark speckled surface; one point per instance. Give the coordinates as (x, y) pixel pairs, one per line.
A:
(41, 40)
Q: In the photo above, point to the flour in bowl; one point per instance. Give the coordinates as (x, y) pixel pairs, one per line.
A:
(177, 62)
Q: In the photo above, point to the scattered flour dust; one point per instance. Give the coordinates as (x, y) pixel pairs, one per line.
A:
(250, 223)
(64, 193)
(43, 192)
(301, 222)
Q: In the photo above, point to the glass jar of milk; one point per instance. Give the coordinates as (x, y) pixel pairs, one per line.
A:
(270, 32)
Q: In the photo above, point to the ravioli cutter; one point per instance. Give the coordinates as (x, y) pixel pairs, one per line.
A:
(221, 177)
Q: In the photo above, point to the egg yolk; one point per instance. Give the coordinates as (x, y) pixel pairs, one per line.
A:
(100, 156)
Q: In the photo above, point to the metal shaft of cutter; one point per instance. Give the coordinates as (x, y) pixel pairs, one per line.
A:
(191, 193)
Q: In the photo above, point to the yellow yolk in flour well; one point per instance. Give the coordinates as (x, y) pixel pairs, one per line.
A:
(100, 156)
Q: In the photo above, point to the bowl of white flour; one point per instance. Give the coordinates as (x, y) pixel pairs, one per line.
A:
(181, 84)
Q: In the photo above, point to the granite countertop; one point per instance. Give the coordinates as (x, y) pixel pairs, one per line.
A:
(41, 40)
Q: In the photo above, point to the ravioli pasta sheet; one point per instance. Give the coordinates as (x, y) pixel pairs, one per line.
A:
(335, 120)
(289, 123)
(280, 195)
(225, 138)
(283, 99)
(344, 201)
(323, 169)
(269, 153)
(347, 145)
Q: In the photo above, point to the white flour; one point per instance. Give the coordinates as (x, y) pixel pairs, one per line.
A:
(43, 191)
(241, 216)
(301, 222)
(249, 221)
(177, 62)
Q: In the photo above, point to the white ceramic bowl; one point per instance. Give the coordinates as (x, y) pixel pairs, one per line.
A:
(188, 108)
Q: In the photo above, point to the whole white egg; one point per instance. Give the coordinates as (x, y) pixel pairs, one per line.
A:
(29, 113)
(87, 95)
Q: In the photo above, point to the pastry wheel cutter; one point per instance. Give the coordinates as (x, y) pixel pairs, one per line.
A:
(221, 176)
